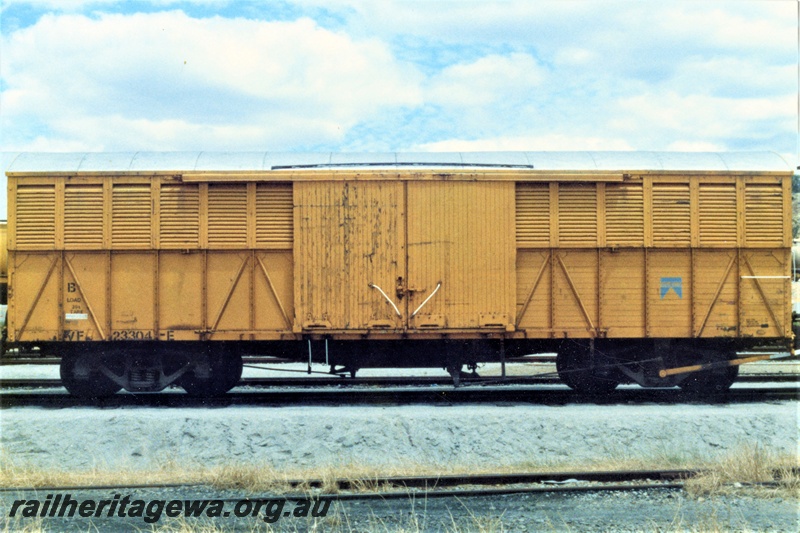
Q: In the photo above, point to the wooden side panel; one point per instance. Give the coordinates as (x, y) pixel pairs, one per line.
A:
(85, 293)
(575, 305)
(622, 293)
(132, 295)
(3, 253)
(765, 306)
(33, 312)
(534, 291)
(715, 287)
(462, 235)
(180, 292)
(349, 235)
(669, 294)
(273, 290)
(228, 288)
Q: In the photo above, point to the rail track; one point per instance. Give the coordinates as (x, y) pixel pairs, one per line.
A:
(436, 501)
(448, 485)
(305, 382)
(429, 395)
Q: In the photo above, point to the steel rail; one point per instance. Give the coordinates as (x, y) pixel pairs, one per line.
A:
(328, 381)
(248, 360)
(473, 493)
(500, 483)
(432, 481)
(544, 379)
(433, 395)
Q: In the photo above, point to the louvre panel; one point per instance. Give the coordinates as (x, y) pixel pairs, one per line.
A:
(577, 215)
(533, 215)
(180, 216)
(763, 215)
(131, 216)
(227, 215)
(672, 225)
(274, 216)
(717, 214)
(624, 215)
(36, 217)
(83, 216)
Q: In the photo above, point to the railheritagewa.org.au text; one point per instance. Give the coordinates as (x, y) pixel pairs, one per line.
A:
(269, 510)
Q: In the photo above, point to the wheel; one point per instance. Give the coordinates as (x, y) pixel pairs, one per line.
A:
(81, 376)
(581, 372)
(708, 382)
(232, 372)
(215, 372)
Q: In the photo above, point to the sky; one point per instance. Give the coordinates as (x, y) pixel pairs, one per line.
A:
(383, 75)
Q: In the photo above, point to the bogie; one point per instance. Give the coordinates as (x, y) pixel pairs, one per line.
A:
(202, 370)
(82, 375)
(587, 370)
(215, 371)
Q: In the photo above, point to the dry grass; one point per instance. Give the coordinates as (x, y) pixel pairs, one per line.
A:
(750, 464)
(338, 522)
(13, 474)
(747, 464)
(23, 525)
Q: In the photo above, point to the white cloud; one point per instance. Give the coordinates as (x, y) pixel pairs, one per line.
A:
(695, 146)
(73, 6)
(116, 72)
(731, 75)
(505, 74)
(57, 5)
(732, 25)
(575, 56)
(490, 79)
(527, 143)
(705, 117)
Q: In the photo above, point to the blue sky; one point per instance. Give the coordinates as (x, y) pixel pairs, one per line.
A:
(371, 75)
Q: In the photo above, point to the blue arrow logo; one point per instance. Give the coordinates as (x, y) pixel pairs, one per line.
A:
(672, 284)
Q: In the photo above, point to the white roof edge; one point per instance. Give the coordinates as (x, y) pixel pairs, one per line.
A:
(265, 161)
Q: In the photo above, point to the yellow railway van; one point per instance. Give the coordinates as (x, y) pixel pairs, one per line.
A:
(148, 269)
(3, 263)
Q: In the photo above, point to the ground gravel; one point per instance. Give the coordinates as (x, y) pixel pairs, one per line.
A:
(302, 436)
(476, 436)
(653, 510)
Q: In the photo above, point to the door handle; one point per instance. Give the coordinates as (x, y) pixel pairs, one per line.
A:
(396, 310)
(438, 286)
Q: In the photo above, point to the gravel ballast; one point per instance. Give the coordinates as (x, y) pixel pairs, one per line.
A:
(381, 436)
